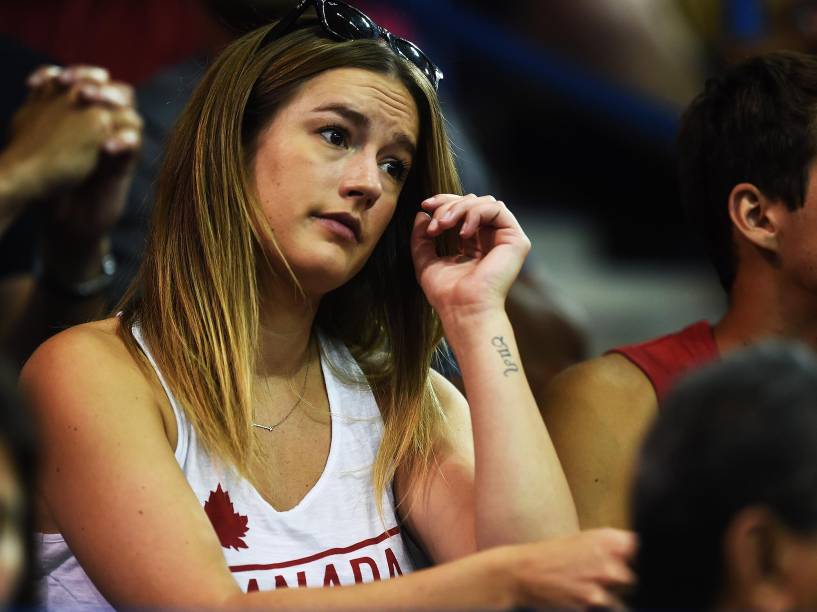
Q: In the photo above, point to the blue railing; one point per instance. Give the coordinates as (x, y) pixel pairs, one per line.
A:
(537, 68)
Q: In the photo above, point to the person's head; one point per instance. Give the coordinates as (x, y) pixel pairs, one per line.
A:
(17, 473)
(725, 494)
(285, 171)
(747, 146)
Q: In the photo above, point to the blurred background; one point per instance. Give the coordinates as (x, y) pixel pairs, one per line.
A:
(565, 109)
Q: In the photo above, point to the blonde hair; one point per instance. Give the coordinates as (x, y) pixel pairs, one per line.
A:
(206, 251)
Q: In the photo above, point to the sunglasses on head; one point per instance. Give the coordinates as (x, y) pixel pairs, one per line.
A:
(345, 22)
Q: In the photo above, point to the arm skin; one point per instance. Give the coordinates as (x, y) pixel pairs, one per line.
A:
(501, 483)
(518, 492)
(440, 510)
(520, 488)
(100, 416)
(597, 413)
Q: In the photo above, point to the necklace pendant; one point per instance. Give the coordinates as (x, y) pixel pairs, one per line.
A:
(291, 410)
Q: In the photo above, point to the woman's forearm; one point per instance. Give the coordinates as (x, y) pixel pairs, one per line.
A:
(480, 581)
(521, 493)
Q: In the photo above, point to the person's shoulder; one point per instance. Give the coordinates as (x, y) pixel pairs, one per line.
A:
(91, 355)
(597, 384)
(596, 413)
(96, 343)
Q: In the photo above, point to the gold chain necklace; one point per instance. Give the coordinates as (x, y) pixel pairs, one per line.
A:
(291, 410)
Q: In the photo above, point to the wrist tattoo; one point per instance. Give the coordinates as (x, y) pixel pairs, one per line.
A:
(505, 353)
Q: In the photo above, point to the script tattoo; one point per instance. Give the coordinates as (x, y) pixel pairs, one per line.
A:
(505, 353)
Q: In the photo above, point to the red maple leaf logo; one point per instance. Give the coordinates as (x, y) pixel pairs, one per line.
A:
(230, 526)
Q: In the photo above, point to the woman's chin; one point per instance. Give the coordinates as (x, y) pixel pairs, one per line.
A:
(318, 281)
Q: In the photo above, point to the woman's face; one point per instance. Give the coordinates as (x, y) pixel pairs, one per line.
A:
(329, 169)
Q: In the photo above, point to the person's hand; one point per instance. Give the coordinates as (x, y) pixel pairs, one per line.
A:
(577, 571)
(107, 132)
(491, 248)
(78, 135)
(70, 118)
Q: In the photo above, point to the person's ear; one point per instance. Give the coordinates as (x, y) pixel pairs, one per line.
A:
(755, 562)
(755, 216)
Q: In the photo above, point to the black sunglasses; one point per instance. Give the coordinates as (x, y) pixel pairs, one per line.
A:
(345, 22)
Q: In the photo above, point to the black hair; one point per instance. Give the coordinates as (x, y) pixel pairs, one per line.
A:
(18, 440)
(739, 433)
(754, 124)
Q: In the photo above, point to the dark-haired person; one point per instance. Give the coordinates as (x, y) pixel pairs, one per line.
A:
(725, 492)
(747, 152)
(261, 416)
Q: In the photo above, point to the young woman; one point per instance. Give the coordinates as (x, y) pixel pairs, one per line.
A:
(261, 414)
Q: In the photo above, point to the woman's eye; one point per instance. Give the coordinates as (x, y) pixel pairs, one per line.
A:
(334, 136)
(395, 168)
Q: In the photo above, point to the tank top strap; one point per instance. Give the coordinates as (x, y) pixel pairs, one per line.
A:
(346, 383)
(182, 428)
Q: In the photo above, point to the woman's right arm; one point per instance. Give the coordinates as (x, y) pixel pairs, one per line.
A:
(112, 485)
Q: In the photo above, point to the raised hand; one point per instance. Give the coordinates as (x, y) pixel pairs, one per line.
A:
(81, 135)
(70, 118)
(491, 247)
(92, 171)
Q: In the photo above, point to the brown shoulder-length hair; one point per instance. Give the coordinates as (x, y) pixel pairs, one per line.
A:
(196, 297)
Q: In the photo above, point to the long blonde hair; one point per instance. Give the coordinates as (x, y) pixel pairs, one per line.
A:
(196, 297)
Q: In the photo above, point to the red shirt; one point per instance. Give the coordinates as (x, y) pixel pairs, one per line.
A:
(665, 359)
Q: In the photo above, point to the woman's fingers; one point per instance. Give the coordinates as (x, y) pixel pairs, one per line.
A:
(619, 547)
(446, 215)
(448, 210)
(434, 202)
(483, 215)
(423, 251)
(472, 213)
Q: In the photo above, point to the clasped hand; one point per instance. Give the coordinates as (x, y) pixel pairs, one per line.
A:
(77, 135)
(489, 246)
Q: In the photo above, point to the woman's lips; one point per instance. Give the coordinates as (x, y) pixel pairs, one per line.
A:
(337, 228)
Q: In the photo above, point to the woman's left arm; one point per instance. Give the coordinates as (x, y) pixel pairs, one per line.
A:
(518, 491)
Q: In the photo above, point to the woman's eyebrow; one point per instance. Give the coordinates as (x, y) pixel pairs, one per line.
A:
(361, 121)
(355, 117)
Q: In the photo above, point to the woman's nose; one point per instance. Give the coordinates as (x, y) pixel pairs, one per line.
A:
(361, 180)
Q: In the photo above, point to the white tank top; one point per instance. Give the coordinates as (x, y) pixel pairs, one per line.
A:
(334, 536)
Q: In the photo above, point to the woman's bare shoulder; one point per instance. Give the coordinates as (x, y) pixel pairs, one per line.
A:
(85, 358)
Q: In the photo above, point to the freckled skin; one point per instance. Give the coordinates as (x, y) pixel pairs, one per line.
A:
(300, 171)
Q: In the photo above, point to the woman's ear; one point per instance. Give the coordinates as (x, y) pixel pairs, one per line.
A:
(755, 216)
(754, 547)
